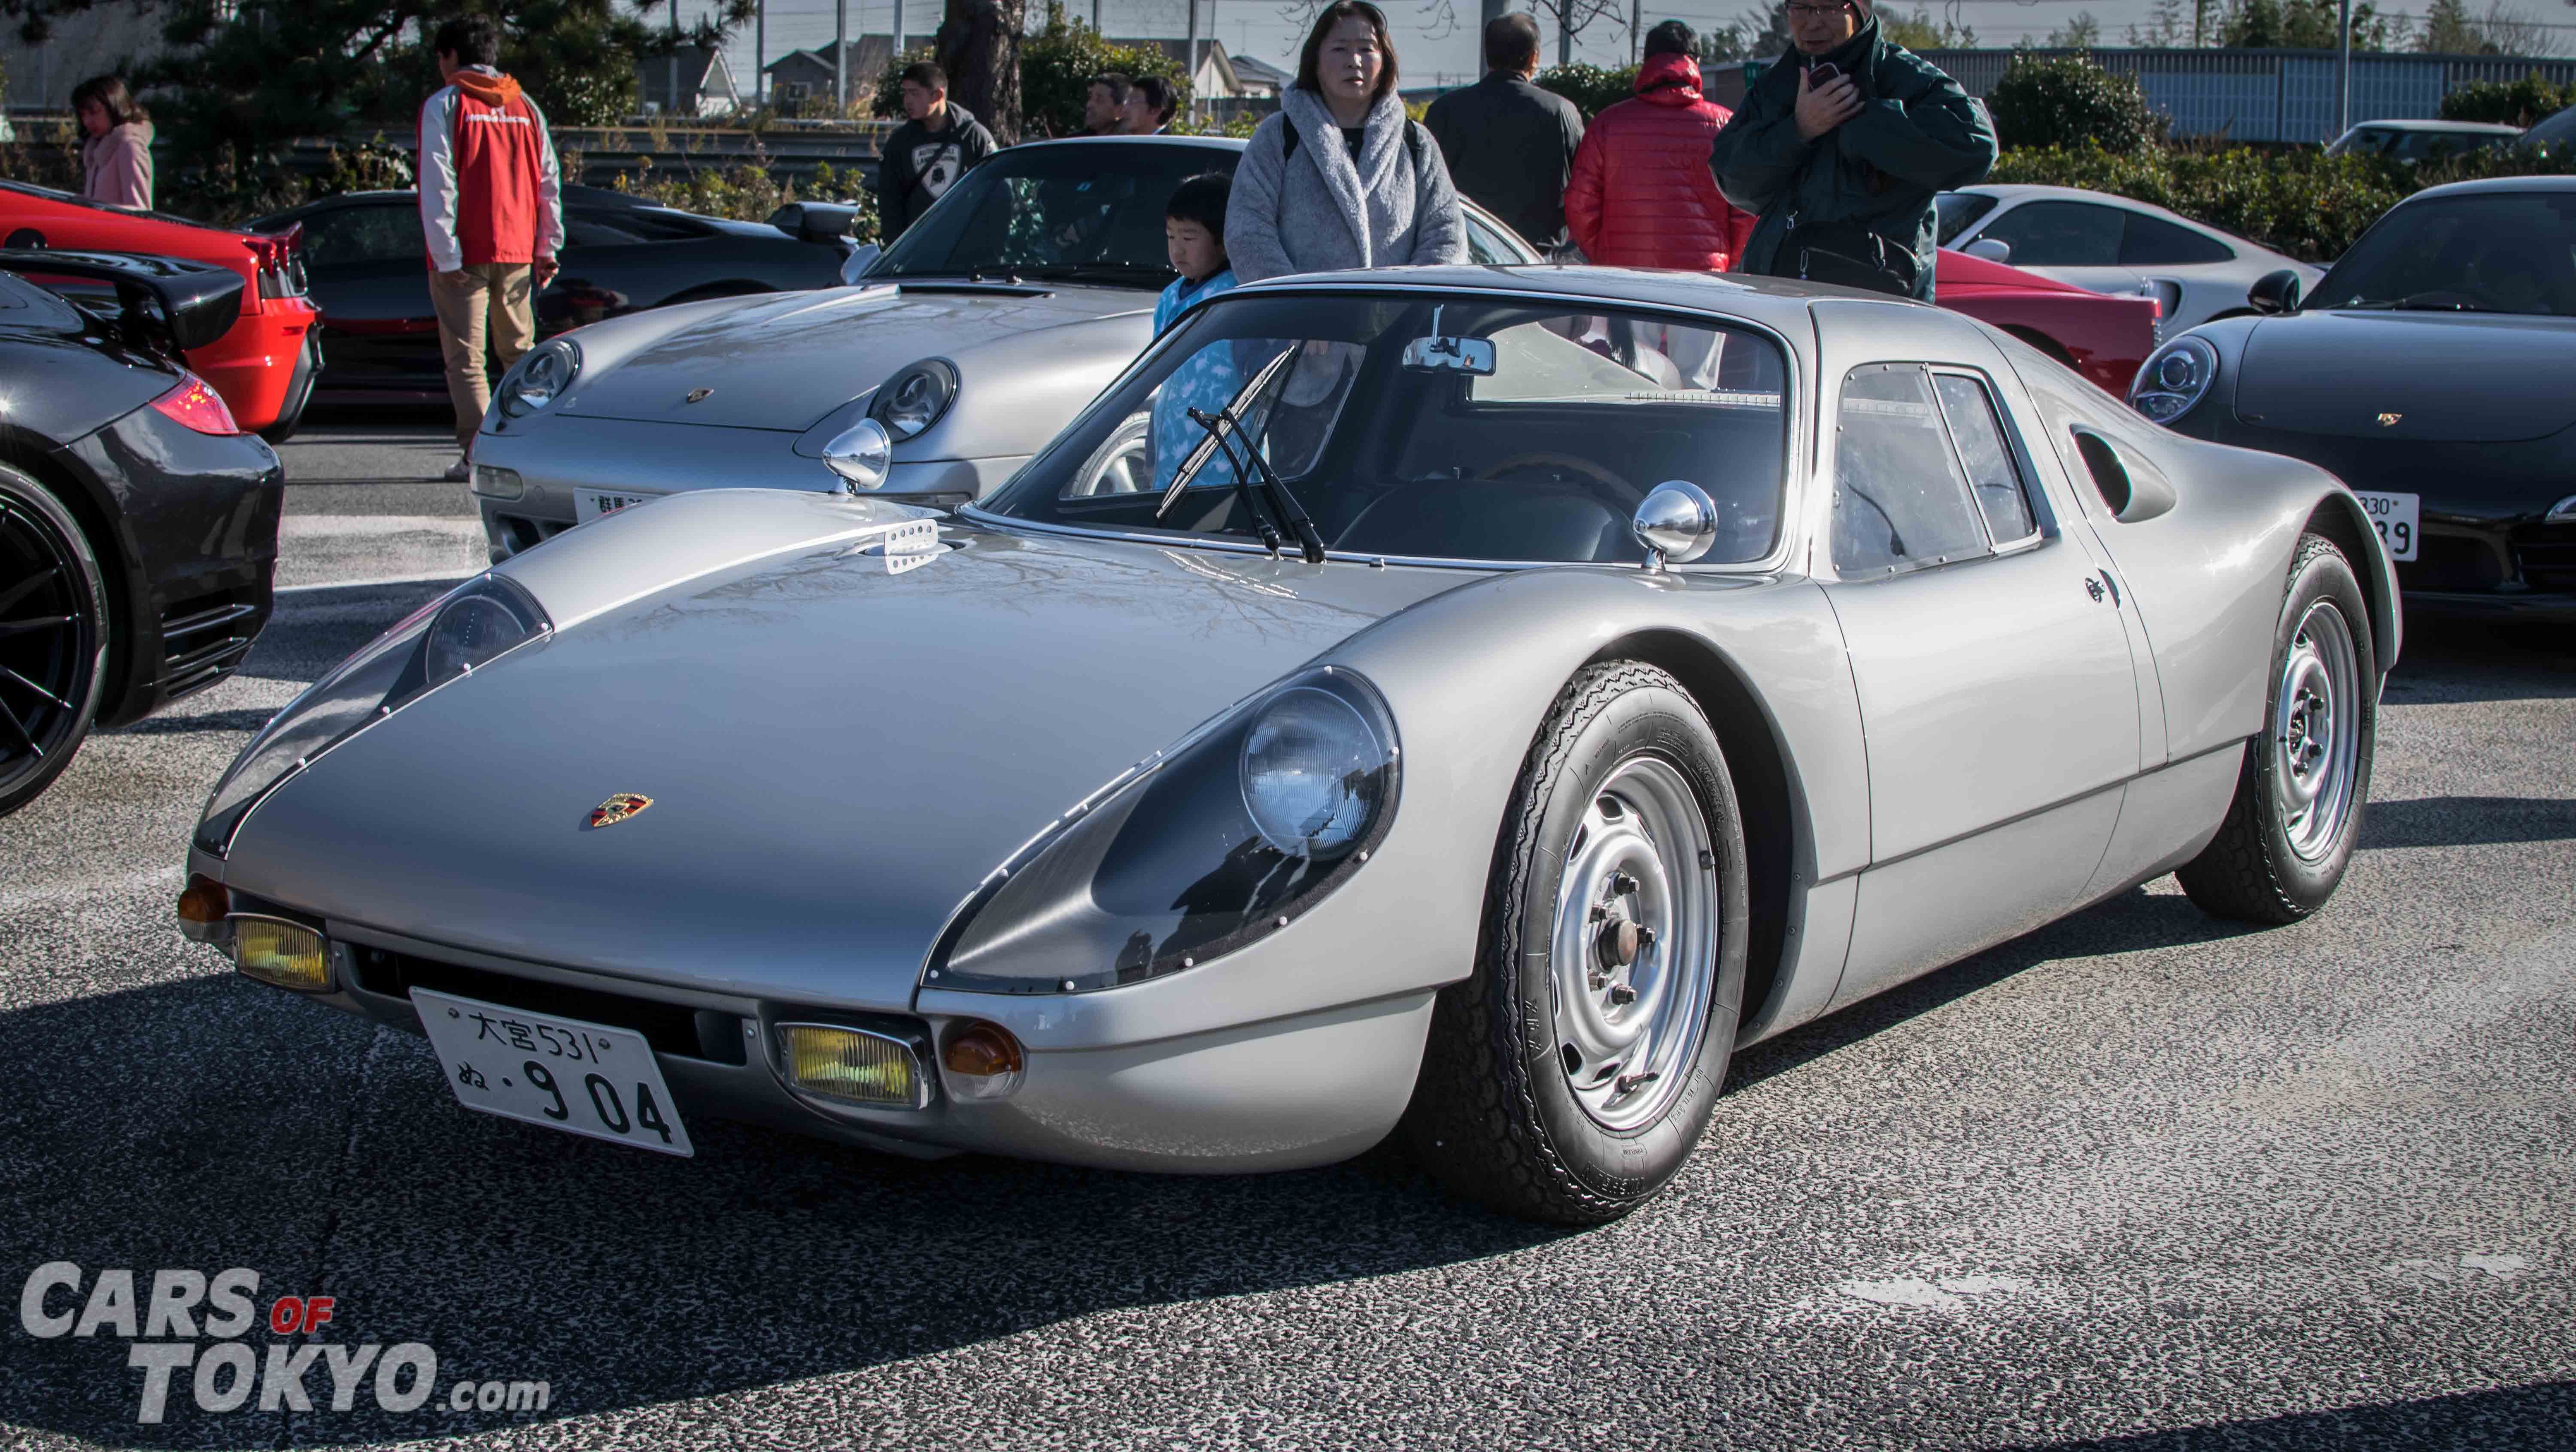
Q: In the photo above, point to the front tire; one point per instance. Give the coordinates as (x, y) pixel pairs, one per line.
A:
(2289, 832)
(53, 638)
(1570, 1076)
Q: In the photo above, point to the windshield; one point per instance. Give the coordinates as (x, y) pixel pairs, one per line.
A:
(2495, 253)
(1431, 426)
(1957, 209)
(1092, 213)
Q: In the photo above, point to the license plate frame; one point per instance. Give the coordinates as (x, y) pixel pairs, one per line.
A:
(608, 1073)
(590, 504)
(2399, 518)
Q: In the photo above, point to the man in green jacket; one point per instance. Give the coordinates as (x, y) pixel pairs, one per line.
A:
(1839, 148)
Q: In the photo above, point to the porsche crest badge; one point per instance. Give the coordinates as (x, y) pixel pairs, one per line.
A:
(2389, 420)
(696, 394)
(617, 809)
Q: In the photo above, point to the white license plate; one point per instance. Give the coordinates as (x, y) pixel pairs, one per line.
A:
(588, 1078)
(590, 504)
(2395, 516)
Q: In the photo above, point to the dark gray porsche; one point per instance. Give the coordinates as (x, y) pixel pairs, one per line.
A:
(2434, 371)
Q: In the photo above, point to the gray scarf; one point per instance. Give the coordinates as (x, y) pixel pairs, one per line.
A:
(1349, 184)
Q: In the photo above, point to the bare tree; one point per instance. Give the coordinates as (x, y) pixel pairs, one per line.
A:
(978, 45)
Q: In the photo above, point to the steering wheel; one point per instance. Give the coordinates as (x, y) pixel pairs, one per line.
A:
(1585, 469)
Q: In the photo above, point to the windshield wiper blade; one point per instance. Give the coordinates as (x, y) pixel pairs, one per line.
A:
(1231, 413)
(1310, 541)
(1216, 425)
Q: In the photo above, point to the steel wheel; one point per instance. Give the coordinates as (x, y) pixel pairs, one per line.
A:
(2316, 732)
(49, 644)
(1632, 961)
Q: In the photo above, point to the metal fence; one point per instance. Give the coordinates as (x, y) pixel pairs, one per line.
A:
(2273, 95)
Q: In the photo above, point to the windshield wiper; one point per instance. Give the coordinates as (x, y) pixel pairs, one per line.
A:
(1310, 541)
(1135, 272)
(1232, 413)
(2406, 305)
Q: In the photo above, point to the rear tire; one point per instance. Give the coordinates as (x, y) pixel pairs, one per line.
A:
(299, 390)
(2289, 833)
(1569, 1077)
(53, 638)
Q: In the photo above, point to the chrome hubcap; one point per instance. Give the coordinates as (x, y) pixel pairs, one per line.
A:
(2316, 732)
(1633, 959)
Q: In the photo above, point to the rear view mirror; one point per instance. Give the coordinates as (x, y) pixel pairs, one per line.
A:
(1450, 355)
(1993, 249)
(2274, 292)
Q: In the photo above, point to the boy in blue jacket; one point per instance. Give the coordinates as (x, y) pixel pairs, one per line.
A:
(1194, 238)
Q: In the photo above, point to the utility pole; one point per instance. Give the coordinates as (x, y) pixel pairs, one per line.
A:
(898, 29)
(2343, 74)
(841, 55)
(1565, 32)
(671, 96)
(1493, 10)
(1636, 32)
(1190, 63)
(760, 53)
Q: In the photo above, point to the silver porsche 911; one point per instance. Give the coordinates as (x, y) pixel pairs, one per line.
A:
(1481, 702)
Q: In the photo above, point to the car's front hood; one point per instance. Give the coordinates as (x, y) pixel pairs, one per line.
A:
(783, 362)
(836, 754)
(2422, 376)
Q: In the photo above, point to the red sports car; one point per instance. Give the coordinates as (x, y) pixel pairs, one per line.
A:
(264, 366)
(2103, 337)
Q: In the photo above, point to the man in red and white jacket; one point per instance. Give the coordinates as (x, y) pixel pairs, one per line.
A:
(1641, 194)
(491, 207)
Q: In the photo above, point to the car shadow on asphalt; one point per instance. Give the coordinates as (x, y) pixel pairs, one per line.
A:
(2535, 1416)
(209, 1122)
(2446, 661)
(2467, 822)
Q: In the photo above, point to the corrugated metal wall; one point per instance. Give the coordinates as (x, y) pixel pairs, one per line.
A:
(2273, 95)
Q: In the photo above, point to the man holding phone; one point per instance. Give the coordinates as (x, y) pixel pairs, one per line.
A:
(1839, 149)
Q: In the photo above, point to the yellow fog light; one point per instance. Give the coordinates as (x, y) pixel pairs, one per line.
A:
(853, 1066)
(494, 482)
(275, 951)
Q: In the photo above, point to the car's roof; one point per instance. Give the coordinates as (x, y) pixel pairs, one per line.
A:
(1779, 302)
(2456, 128)
(2023, 191)
(1209, 143)
(2494, 185)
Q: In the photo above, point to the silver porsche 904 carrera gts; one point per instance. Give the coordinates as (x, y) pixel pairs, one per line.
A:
(1486, 699)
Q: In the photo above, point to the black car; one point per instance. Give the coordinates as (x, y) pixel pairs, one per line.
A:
(2434, 371)
(138, 523)
(367, 267)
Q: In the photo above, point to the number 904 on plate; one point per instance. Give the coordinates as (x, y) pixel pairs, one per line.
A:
(588, 1078)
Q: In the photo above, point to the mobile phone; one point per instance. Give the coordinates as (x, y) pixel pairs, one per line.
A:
(1822, 72)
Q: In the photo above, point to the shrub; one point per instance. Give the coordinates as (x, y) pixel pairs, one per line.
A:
(2068, 101)
(1056, 67)
(2513, 103)
(1592, 89)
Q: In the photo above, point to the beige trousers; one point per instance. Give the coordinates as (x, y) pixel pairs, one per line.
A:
(481, 304)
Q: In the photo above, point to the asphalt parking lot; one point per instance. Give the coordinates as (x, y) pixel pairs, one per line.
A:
(2141, 1180)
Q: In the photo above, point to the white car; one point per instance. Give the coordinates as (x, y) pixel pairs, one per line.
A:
(2104, 243)
(2421, 140)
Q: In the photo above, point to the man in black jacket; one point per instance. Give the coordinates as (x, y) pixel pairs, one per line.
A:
(1510, 145)
(926, 155)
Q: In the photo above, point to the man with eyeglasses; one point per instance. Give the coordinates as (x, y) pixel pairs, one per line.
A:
(1839, 149)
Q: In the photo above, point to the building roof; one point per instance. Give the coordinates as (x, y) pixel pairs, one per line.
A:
(1255, 69)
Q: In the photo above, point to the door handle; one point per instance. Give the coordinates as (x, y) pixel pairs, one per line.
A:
(2093, 587)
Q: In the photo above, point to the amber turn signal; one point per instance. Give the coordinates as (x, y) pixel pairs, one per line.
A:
(203, 905)
(983, 1061)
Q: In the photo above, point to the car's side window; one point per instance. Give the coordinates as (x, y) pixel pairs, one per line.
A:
(1484, 247)
(2059, 234)
(1977, 429)
(2155, 242)
(363, 234)
(1901, 497)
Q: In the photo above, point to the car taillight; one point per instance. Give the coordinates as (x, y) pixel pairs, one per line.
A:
(195, 405)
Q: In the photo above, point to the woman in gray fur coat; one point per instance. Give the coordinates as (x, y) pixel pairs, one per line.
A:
(1340, 178)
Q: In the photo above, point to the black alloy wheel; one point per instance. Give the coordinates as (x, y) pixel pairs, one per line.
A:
(53, 638)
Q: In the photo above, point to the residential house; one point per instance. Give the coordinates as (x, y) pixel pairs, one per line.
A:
(705, 84)
(802, 79)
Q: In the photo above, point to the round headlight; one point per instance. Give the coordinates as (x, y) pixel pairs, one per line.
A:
(470, 632)
(1312, 778)
(913, 399)
(861, 454)
(2174, 379)
(541, 377)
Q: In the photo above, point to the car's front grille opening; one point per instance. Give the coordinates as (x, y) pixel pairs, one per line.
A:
(669, 1027)
(204, 637)
(2451, 562)
(2545, 556)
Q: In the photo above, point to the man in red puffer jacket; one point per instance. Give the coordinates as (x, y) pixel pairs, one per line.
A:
(1642, 194)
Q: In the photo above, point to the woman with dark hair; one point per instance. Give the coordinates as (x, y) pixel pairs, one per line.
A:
(1341, 178)
(116, 144)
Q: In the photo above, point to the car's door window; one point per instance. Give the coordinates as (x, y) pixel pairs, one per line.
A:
(2059, 234)
(388, 232)
(2155, 242)
(622, 227)
(1954, 212)
(1902, 499)
(1977, 430)
(1485, 247)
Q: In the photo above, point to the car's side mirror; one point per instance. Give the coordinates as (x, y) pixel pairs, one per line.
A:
(856, 265)
(814, 221)
(1993, 249)
(2274, 292)
(1677, 522)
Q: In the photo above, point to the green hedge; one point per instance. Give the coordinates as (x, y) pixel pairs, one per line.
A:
(2514, 103)
(2303, 203)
